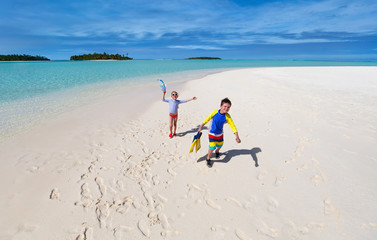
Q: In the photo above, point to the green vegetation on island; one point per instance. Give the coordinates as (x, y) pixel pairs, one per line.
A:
(100, 56)
(18, 57)
(203, 58)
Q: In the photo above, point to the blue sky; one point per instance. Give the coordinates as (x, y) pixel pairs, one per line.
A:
(147, 29)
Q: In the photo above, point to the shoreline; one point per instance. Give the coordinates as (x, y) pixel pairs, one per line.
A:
(39, 109)
(109, 169)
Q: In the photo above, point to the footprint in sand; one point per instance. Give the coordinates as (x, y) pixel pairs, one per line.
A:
(195, 187)
(279, 180)
(146, 151)
(153, 219)
(219, 227)
(164, 221)
(303, 167)
(233, 201)
(124, 205)
(55, 194)
(349, 152)
(107, 168)
(299, 150)
(86, 197)
(120, 185)
(26, 228)
(144, 228)
(267, 230)
(91, 168)
(368, 225)
(219, 232)
(145, 185)
(316, 226)
(33, 169)
(159, 198)
(170, 233)
(148, 177)
(103, 213)
(102, 188)
(136, 204)
(262, 175)
(318, 178)
(204, 194)
(295, 231)
(156, 180)
(241, 235)
(150, 200)
(171, 172)
(212, 204)
(329, 208)
(87, 235)
(273, 204)
(119, 232)
(85, 175)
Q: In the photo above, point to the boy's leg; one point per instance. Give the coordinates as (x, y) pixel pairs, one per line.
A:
(208, 160)
(215, 143)
(209, 153)
(217, 152)
(219, 144)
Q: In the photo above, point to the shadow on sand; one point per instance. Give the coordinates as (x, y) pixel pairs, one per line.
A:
(192, 130)
(236, 152)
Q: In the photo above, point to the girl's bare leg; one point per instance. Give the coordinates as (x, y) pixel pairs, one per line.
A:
(175, 124)
(171, 124)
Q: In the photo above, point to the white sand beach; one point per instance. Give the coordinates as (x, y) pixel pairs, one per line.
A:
(305, 168)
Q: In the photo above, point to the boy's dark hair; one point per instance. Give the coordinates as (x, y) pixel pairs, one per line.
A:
(226, 100)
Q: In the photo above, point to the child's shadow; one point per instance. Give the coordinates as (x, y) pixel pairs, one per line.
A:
(236, 152)
(192, 130)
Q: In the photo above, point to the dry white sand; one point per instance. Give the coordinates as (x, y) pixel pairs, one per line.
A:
(305, 169)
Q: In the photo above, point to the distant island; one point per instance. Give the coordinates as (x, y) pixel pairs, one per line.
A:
(203, 58)
(18, 57)
(100, 56)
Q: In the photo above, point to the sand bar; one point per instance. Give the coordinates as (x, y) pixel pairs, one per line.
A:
(305, 168)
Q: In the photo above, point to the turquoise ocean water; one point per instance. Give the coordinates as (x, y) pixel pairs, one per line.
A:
(31, 91)
(19, 80)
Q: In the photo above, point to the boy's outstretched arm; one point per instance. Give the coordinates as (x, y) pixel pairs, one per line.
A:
(238, 140)
(163, 96)
(233, 127)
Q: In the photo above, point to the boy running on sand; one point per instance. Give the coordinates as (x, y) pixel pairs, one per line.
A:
(173, 110)
(215, 135)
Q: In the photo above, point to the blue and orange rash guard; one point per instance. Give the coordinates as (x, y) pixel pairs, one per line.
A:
(218, 121)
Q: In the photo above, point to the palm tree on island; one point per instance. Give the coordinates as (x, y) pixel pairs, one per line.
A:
(24, 57)
(100, 56)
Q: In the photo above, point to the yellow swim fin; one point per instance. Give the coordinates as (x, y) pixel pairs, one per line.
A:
(195, 143)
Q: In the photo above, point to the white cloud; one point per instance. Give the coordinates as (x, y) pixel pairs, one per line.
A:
(192, 47)
(266, 39)
(211, 21)
(291, 17)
